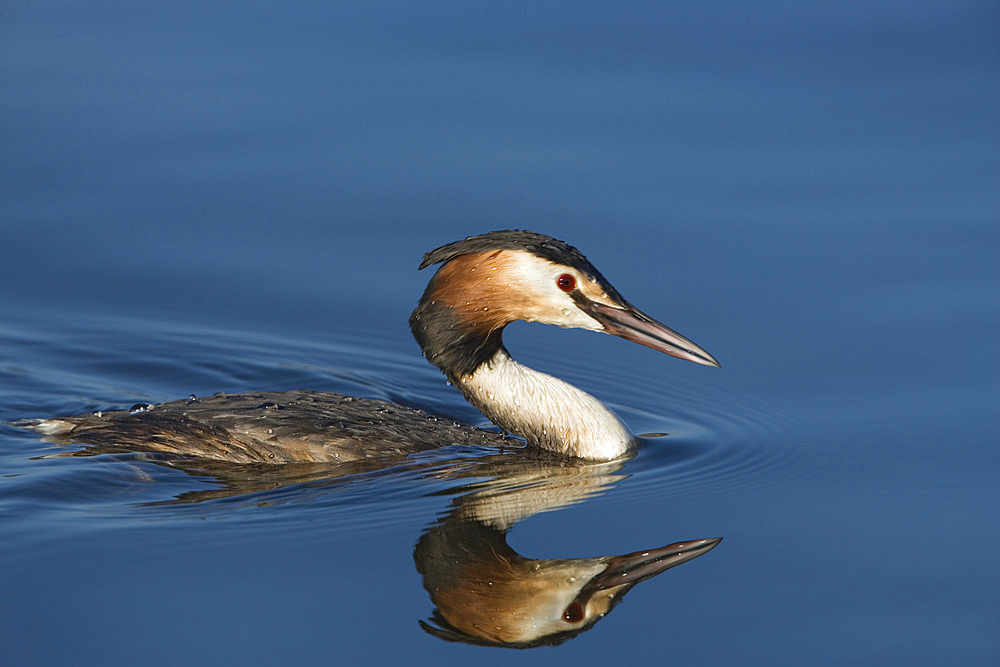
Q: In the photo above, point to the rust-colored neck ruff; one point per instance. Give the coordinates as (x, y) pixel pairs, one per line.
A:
(460, 318)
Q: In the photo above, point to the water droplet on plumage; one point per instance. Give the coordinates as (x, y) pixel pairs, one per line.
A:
(268, 405)
(140, 407)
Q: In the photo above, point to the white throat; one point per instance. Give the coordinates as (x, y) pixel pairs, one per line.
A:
(545, 410)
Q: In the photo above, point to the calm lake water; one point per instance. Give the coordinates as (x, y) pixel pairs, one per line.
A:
(233, 197)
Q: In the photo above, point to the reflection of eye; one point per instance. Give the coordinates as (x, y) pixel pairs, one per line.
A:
(566, 282)
(573, 613)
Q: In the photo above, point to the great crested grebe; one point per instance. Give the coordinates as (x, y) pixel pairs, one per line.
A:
(484, 283)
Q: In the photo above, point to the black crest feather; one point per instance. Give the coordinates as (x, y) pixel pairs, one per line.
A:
(512, 239)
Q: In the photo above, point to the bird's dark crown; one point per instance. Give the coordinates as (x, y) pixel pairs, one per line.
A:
(540, 245)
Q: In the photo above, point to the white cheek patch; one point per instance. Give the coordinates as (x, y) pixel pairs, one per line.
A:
(535, 278)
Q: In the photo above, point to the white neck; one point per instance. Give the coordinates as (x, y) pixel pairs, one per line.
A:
(545, 410)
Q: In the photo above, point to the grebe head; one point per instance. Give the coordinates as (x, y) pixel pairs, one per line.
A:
(488, 281)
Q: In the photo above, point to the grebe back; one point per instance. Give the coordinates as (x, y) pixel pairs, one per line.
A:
(483, 284)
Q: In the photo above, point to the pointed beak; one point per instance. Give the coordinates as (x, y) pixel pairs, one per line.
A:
(633, 568)
(630, 323)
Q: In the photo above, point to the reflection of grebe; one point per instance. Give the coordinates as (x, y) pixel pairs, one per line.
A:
(485, 283)
(485, 592)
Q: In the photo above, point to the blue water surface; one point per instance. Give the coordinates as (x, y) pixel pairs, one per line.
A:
(235, 196)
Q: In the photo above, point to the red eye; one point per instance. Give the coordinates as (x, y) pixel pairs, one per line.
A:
(573, 613)
(566, 282)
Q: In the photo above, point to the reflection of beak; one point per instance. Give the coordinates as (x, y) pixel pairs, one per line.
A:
(630, 323)
(633, 568)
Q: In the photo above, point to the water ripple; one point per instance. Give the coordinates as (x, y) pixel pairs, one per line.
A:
(717, 442)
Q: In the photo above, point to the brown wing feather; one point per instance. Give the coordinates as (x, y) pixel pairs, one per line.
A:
(270, 427)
